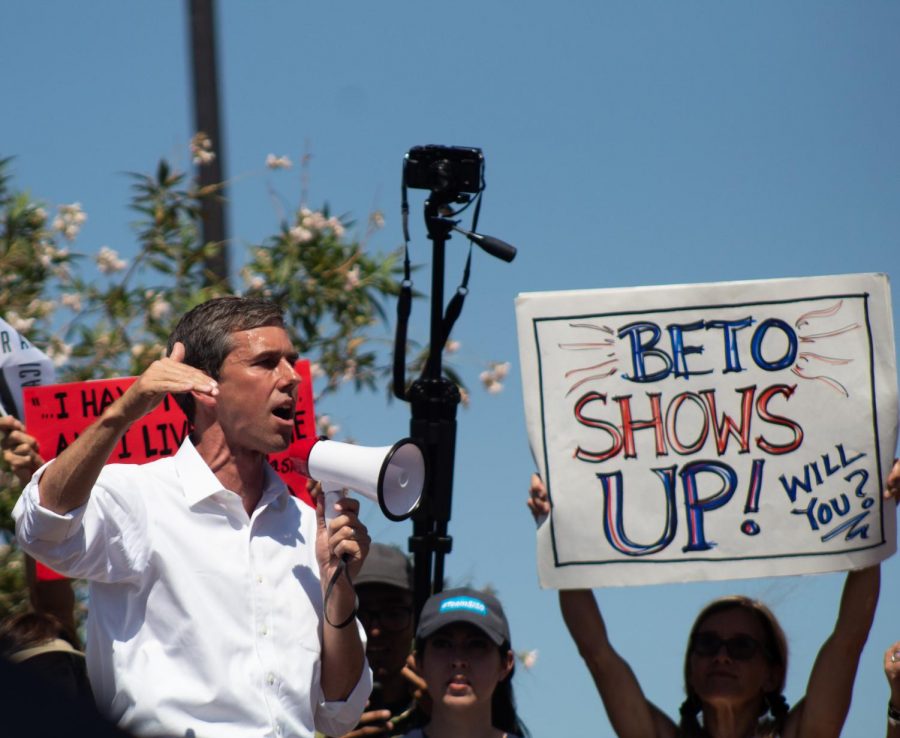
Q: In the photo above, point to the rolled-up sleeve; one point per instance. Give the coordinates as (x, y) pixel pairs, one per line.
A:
(37, 527)
(101, 540)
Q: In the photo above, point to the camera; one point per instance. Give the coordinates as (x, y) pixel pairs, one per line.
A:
(445, 169)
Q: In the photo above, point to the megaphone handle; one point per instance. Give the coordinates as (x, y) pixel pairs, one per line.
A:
(332, 495)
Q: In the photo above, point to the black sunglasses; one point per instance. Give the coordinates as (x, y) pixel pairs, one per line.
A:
(739, 647)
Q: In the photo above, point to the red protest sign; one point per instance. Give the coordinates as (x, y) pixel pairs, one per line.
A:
(55, 414)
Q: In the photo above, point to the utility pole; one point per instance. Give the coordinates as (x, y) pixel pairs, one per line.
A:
(206, 119)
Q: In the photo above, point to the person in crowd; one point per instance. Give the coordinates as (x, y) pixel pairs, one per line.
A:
(208, 579)
(734, 667)
(892, 655)
(384, 586)
(892, 672)
(54, 596)
(49, 649)
(43, 681)
(464, 654)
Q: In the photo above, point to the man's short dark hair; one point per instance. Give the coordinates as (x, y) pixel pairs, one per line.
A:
(206, 332)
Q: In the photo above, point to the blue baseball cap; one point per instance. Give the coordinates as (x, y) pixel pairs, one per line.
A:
(464, 605)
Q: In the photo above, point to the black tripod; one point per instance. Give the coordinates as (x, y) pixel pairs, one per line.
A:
(434, 399)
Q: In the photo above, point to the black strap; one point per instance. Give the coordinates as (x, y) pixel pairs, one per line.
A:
(404, 304)
(342, 569)
(455, 306)
(404, 299)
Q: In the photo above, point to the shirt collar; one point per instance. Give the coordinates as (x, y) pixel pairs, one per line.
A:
(199, 482)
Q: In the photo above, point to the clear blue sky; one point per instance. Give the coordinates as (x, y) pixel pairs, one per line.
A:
(627, 143)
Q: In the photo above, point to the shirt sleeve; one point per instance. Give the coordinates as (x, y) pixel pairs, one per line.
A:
(99, 540)
(340, 717)
(36, 524)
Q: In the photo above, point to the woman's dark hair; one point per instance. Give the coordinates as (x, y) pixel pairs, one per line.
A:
(776, 652)
(21, 631)
(503, 702)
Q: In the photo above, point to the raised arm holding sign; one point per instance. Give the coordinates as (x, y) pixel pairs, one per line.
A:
(735, 665)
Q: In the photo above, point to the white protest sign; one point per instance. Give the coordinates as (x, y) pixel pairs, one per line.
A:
(711, 431)
(21, 365)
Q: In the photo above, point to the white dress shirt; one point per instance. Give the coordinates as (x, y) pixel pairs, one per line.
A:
(203, 622)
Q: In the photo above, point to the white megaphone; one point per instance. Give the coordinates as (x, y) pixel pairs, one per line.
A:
(392, 476)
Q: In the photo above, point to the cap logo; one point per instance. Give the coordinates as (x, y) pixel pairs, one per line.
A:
(471, 604)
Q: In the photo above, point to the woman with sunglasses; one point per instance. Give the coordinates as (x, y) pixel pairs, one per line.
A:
(734, 668)
(464, 655)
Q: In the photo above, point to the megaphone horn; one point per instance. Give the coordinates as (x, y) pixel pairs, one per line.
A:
(393, 476)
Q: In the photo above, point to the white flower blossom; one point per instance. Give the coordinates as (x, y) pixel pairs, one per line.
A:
(352, 279)
(326, 427)
(299, 234)
(452, 346)
(59, 353)
(48, 253)
(159, 308)
(201, 149)
(349, 370)
(41, 308)
(71, 300)
(315, 370)
(313, 220)
(337, 228)
(137, 349)
(19, 323)
(528, 658)
(255, 281)
(69, 220)
(464, 398)
(376, 220)
(108, 260)
(501, 369)
(278, 162)
(490, 382)
(492, 378)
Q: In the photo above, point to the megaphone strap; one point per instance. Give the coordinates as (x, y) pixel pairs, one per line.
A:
(342, 569)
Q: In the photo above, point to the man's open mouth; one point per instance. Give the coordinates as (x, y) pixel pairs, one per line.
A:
(285, 412)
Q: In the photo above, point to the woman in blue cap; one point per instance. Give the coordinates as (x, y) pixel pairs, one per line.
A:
(463, 652)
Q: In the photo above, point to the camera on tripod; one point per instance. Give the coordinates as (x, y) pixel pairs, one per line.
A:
(449, 170)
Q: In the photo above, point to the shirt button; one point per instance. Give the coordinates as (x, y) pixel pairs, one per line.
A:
(259, 579)
(264, 631)
(270, 679)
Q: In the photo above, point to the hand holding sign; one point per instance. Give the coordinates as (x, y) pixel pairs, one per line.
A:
(892, 486)
(20, 450)
(538, 502)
